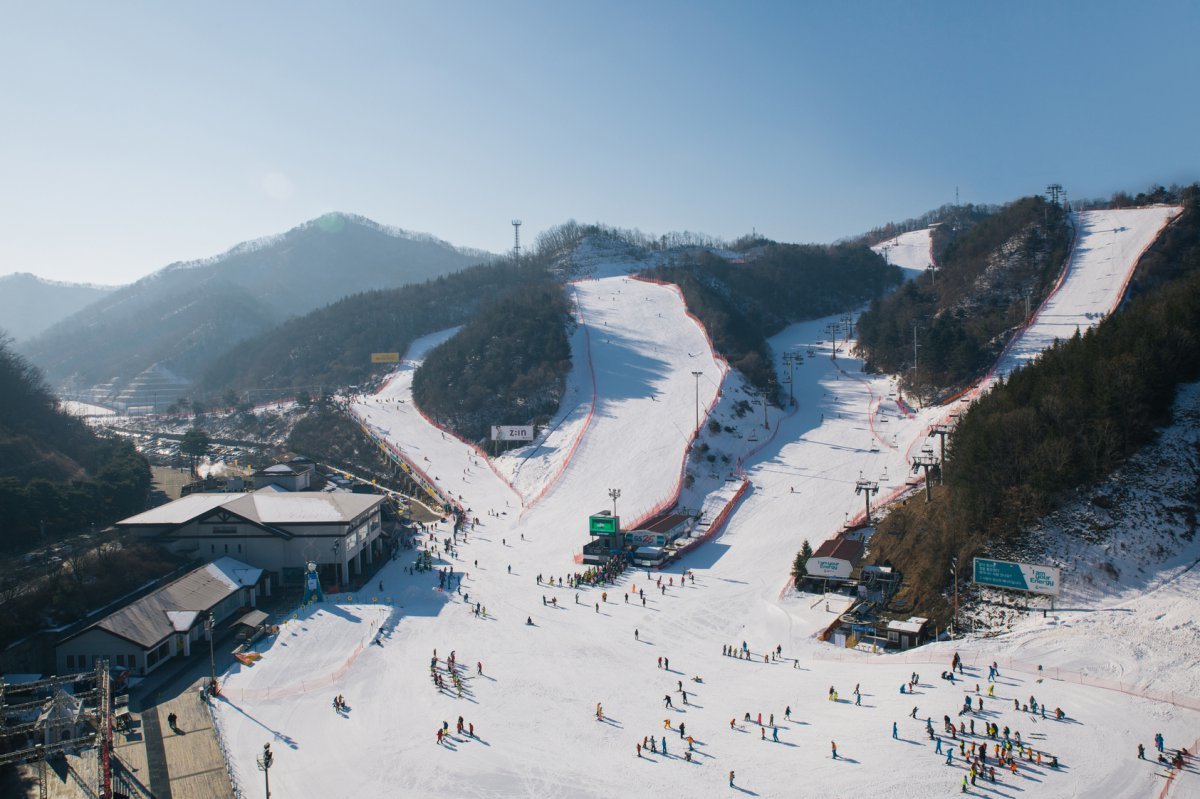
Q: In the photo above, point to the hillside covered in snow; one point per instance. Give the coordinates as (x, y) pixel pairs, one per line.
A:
(563, 687)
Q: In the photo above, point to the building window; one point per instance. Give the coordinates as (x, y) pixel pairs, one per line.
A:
(227, 549)
(70, 661)
(120, 660)
(133, 661)
(212, 548)
(239, 549)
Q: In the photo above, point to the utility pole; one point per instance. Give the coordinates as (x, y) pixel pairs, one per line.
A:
(954, 618)
(516, 223)
(867, 488)
(926, 460)
(915, 328)
(697, 376)
(941, 431)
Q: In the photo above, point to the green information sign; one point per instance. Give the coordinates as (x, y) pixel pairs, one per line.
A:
(603, 525)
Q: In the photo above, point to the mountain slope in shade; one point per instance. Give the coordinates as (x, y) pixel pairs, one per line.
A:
(30, 305)
(185, 314)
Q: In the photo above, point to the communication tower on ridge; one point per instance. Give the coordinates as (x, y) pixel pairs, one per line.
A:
(516, 223)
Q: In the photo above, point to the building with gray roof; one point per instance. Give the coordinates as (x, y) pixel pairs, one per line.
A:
(164, 623)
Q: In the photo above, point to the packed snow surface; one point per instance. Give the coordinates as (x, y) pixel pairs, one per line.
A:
(533, 701)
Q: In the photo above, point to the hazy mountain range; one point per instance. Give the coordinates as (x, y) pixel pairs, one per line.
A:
(183, 316)
(30, 304)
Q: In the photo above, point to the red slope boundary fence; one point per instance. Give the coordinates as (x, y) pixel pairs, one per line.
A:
(587, 422)
(718, 522)
(672, 497)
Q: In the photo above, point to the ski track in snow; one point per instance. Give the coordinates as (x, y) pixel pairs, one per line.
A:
(533, 707)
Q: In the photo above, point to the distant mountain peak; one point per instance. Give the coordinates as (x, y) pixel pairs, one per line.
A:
(29, 277)
(332, 223)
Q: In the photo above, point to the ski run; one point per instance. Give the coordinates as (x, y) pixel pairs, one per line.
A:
(558, 687)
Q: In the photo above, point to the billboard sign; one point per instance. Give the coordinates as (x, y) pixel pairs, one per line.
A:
(1018, 576)
(603, 525)
(835, 568)
(512, 432)
(385, 357)
(643, 539)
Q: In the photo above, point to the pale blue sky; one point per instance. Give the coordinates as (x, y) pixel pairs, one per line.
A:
(136, 134)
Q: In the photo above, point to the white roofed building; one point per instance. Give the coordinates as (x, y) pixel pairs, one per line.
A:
(279, 532)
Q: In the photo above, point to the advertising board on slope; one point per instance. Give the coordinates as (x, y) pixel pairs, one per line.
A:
(830, 568)
(1018, 576)
(512, 432)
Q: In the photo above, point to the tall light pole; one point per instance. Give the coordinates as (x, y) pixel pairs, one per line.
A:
(265, 761)
(954, 618)
(614, 494)
(337, 567)
(212, 659)
(697, 376)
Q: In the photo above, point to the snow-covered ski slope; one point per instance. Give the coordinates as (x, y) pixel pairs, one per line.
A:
(910, 251)
(1107, 248)
(533, 706)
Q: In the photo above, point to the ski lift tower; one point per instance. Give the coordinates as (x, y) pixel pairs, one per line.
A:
(792, 360)
(867, 488)
(941, 431)
(926, 460)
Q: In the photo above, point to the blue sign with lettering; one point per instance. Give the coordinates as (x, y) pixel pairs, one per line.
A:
(1018, 576)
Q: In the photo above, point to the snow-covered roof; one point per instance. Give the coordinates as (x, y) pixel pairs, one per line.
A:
(309, 507)
(176, 606)
(262, 506)
(180, 511)
(913, 625)
(182, 620)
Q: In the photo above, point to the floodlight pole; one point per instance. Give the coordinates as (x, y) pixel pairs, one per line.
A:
(697, 376)
(209, 624)
(614, 494)
(265, 761)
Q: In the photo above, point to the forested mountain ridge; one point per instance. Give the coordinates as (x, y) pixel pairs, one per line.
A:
(185, 315)
(332, 346)
(991, 270)
(508, 364)
(56, 475)
(742, 304)
(1062, 423)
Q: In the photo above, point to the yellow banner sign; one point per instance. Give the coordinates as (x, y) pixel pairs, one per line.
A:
(385, 357)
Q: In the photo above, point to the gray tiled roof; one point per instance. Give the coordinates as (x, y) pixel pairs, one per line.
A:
(151, 619)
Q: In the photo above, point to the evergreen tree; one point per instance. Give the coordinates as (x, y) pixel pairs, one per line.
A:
(800, 564)
(195, 443)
